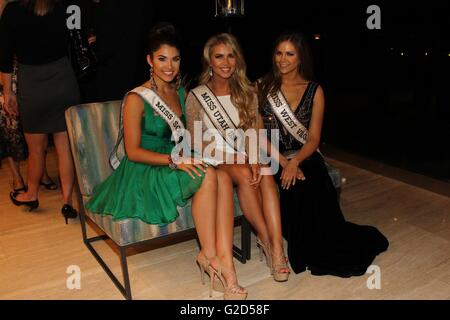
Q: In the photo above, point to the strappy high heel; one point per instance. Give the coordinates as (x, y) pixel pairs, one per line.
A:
(217, 281)
(264, 251)
(277, 269)
(232, 292)
(203, 263)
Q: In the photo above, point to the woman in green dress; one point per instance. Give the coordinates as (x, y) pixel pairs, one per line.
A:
(149, 185)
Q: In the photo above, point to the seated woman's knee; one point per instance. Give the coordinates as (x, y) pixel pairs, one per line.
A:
(223, 178)
(242, 173)
(210, 176)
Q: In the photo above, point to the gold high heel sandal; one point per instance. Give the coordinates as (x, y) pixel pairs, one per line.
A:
(204, 265)
(264, 252)
(231, 292)
(277, 270)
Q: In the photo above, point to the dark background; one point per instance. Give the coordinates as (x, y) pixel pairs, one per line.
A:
(387, 91)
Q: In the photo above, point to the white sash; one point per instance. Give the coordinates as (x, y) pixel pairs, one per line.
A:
(284, 113)
(163, 110)
(217, 114)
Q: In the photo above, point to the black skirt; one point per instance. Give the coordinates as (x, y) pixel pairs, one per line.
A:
(44, 93)
(319, 238)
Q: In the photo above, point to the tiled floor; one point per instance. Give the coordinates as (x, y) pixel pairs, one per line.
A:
(37, 248)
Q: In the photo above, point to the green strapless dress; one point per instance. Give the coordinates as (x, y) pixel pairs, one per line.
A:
(147, 192)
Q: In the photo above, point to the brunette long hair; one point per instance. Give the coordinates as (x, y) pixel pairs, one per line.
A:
(271, 82)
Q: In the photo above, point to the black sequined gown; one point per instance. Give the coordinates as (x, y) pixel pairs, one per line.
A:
(319, 238)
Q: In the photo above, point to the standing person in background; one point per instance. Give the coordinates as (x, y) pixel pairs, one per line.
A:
(13, 147)
(35, 32)
(12, 142)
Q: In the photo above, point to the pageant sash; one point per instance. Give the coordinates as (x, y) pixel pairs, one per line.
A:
(160, 107)
(284, 113)
(216, 114)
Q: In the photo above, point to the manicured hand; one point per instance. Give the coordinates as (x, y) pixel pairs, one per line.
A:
(291, 172)
(190, 166)
(283, 161)
(256, 175)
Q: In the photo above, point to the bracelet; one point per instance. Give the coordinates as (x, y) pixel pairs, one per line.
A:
(172, 165)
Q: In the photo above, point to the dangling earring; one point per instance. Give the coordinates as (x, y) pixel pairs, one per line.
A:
(210, 72)
(152, 80)
(178, 81)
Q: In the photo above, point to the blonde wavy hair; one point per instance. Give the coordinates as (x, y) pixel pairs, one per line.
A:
(242, 91)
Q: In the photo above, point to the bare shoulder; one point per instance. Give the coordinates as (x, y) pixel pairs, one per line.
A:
(319, 90)
(319, 95)
(134, 103)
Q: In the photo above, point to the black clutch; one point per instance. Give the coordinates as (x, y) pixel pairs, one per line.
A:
(83, 58)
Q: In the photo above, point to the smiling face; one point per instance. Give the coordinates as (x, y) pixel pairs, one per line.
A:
(223, 61)
(287, 58)
(165, 63)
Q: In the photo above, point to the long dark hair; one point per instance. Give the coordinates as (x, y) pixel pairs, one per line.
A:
(40, 7)
(271, 82)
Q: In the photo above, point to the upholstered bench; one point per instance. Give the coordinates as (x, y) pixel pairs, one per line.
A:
(93, 130)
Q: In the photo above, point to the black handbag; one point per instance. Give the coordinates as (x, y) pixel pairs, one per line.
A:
(83, 58)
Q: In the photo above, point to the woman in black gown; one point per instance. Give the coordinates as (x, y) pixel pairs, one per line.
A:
(318, 236)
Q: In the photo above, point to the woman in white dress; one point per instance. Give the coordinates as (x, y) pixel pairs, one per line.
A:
(227, 90)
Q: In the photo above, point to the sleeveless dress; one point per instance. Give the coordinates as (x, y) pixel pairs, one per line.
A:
(147, 192)
(319, 238)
